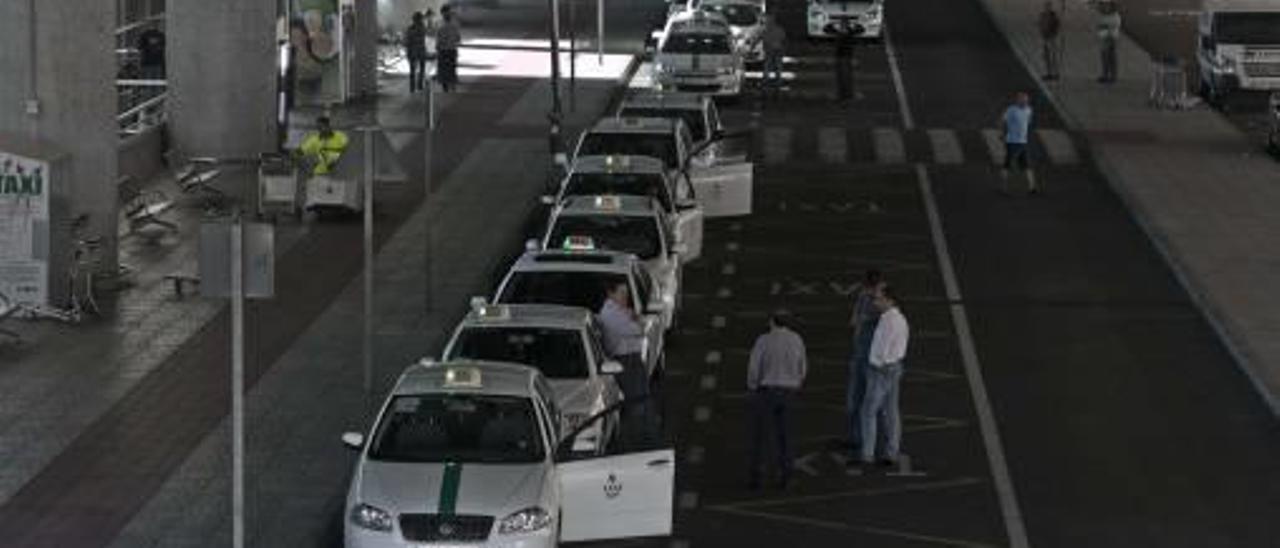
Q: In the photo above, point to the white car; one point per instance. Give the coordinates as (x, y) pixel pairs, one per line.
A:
(820, 15)
(746, 21)
(699, 114)
(470, 453)
(630, 224)
(563, 343)
(723, 189)
(696, 52)
(581, 277)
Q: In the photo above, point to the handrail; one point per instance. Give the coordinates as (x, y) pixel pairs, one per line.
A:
(134, 120)
(140, 23)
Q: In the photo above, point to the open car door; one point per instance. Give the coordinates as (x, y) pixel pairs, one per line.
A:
(688, 231)
(619, 496)
(723, 190)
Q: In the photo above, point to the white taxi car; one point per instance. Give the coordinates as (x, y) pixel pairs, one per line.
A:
(746, 21)
(563, 343)
(867, 14)
(630, 224)
(723, 189)
(699, 114)
(581, 277)
(696, 52)
(470, 453)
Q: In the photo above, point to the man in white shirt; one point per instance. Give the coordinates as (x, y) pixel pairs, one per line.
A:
(623, 340)
(775, 372)
(880, 403)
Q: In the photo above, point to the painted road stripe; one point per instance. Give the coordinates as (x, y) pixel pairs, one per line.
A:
(688, 500)
(777, 144)
(833, 145)
(904, 108)
(946, 147)
(702, 413)
(449, 489)
(889, 147)
(708, 382)
(995, 145)
(1014, 525)
(728, 269)
(696, 454)
(717, 322)
(1058, 146)
(732, 246)
(714, 355)
(724, 293)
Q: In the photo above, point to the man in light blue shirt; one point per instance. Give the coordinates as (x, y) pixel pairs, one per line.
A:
(1015, 123)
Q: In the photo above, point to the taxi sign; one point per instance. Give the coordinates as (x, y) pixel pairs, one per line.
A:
(578, 243)
(462, 377)
(493, 312)
(611, 162)
(611, 203)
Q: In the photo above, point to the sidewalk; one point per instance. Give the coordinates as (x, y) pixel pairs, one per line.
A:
(1189, 177)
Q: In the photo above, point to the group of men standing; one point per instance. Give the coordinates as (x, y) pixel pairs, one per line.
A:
(779, 364)
(448, 36)
(1107, 25)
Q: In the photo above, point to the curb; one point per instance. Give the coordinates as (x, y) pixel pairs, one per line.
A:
(1238, 348)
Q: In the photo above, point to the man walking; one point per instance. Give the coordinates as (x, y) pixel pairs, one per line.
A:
(415, 50)
(775, 372)
(1108, 35)
(846, 37)
(1015, 124)
(774, 42)
(623, 340)
(1050, 25)
(880, 406)
(448, 38)
(864, 320)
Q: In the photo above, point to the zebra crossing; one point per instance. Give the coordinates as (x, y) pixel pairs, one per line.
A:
(778, 144)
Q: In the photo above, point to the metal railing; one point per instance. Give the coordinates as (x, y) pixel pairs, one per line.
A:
(144, 114)
(140, 101)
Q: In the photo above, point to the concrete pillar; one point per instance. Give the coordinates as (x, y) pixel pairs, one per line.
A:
(57, 85)
(221, 65)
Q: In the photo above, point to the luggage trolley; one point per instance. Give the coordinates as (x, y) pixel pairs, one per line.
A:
(278, 185)
(1168, 83)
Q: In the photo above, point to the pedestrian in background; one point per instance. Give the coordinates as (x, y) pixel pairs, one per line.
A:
(1015, 124)
(884, 379)
(775, 372)
(1108, 36)
(415, 50)
(774, 42)
(864, 319)
(448, 38)
(1050, 25)
(846, 36)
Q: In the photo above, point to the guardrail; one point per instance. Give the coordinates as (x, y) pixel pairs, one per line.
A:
(145, 114)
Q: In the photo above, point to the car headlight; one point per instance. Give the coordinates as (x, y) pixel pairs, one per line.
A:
(1228, 65)
(725, 70)
(371, 518)
(527, 520)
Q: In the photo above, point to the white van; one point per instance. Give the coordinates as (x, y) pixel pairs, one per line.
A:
(1239, 47)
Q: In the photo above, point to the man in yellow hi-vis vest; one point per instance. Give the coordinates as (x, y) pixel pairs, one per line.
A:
(324, 147)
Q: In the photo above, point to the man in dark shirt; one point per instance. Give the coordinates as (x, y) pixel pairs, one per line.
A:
(151, 53)
(846, 36)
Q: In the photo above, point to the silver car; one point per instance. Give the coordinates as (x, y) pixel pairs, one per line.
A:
(471, 453)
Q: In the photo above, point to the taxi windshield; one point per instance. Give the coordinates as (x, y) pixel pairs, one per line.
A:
(627, 184)
(557, 353)
(1252, 28)
(581, 289)
(458, 428)
(656, 145)
(692, 118)
(635, 235)
(738, 15)
(697, 42)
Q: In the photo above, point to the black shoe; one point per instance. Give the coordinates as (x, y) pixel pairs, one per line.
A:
(887, 463)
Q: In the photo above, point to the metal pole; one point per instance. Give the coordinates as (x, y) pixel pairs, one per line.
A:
(573, 55)
(237, 383)
(554, 30)
(600, 32)
(428, 134)
(368, 268)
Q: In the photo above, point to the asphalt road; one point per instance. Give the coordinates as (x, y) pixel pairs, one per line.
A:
(1124, 422)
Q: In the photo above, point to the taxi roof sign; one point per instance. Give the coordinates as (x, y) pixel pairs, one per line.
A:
(493, 312)
(611, 161)
(578, 243)
(462, 377)
(611, 203)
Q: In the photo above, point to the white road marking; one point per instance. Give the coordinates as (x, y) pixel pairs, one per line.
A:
(696, 454)
(833, 145)
(1058, 146)
(904, 468)
(717, 322)
(777, 144)
(708, 382)
(728, 269)
(732, 246)
(908, 121)
(889, 147)
(724, 293)
(702, 413)
(1014, 525)
(946, 147)
(995, 145)
(735, 227)
(688, 500)
(713, 357)
(680, 543)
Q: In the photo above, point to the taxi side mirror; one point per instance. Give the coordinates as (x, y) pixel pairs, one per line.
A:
(656, 307)
(547, 200)
(611, 367)
(685, 205)
(531, 245)
(353, 440)
(680, 249)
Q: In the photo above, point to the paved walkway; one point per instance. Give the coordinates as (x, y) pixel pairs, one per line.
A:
(1189, 177)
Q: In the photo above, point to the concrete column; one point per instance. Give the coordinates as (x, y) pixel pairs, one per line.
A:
(57, 85)
(221, 65)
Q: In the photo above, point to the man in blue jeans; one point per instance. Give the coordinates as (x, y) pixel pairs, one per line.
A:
(865, 317)
(774, 374)
(880, 404)
(1015, 124)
